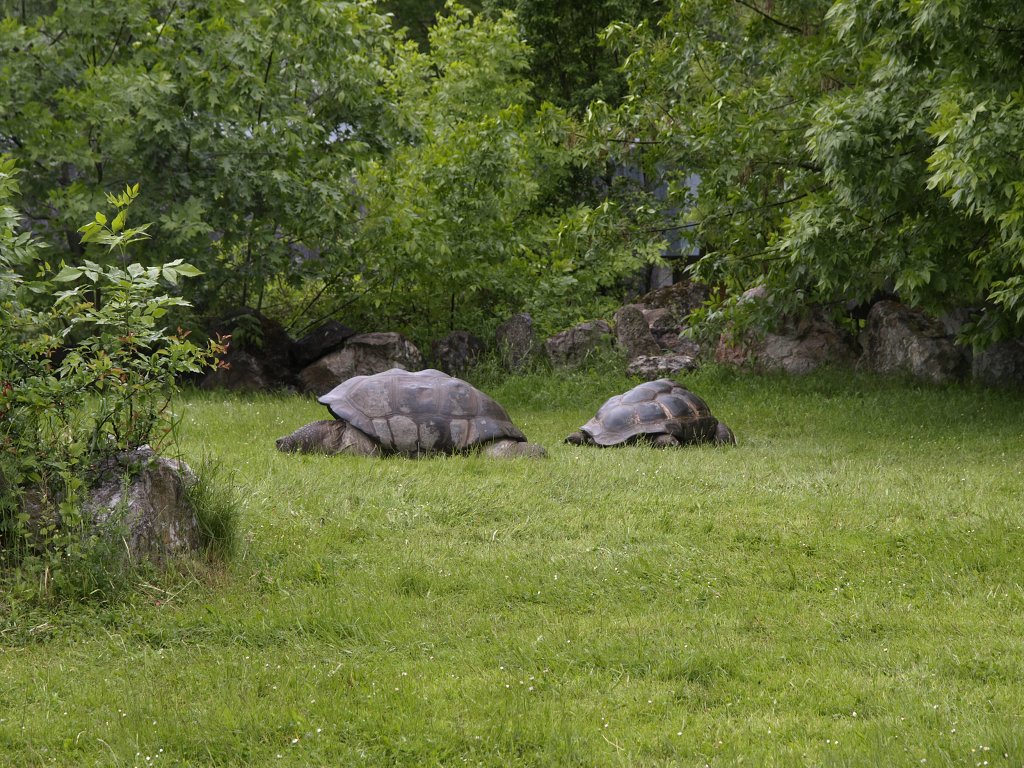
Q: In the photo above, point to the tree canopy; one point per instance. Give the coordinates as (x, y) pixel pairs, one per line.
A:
(314, 160)
(845, 148)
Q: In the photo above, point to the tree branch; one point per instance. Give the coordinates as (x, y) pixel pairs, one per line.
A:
(772, 19)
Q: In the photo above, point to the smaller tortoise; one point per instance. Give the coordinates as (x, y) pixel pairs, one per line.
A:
(661, 412)
(411, 414)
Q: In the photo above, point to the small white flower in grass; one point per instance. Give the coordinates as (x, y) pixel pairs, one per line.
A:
(295, 740)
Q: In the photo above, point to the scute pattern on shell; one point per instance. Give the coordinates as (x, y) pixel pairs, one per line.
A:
(420, 412)
(652, 408)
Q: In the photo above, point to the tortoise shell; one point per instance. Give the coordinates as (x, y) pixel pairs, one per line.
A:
(652, 408)
(420, 412)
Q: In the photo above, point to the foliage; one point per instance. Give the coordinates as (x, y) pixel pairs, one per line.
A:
(459, 226)
(241, 120)
(86, 378)
(304, 152)
(416, 17)
(568, 64)
(844, 149)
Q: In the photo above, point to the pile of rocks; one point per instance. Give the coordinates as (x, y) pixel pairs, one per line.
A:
(650, 331)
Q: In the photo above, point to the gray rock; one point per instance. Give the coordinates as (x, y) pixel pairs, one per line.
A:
(680, 298)
(515, 341)
(263, 340)
(651, 367)
(362, 355)
(240, 371)
(668, 333)
(751, 295)
(1000, 365)
(899, 339)
(806, 345)
(457, 352)
(797, 346)
(143, 499)
(322, 340)
(633, 332)
(573, 346)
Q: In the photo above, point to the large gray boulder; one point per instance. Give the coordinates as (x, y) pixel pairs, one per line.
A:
(680, 298)
(574, 345)
(256, 342)
(633, 332)
(143, 499)
(239, 371)
(515, 341)
(1000, 365)
(797, 346)
(651, 367)
(667, 331)
(362, 355)
(457, 352)
(899, 339)
(324, 339)
(807, 344)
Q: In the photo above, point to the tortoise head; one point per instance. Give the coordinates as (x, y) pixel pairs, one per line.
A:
(316, 437)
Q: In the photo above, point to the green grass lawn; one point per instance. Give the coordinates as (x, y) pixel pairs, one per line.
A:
(846, 587)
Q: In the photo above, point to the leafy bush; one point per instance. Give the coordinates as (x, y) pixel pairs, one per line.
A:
(86, 377)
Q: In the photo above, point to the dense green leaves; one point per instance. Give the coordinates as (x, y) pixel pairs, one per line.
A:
(88, 376)
(459, 226)
(844, 148)
(242, 120)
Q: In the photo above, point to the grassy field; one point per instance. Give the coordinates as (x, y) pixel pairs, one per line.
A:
(844, 588)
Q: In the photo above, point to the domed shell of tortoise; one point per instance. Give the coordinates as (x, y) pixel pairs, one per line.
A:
(420, 412)
(652, 408)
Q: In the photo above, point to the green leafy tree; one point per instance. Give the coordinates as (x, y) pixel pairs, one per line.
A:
(843, 148)
(461, 222)
(243, 121)
(569, 66)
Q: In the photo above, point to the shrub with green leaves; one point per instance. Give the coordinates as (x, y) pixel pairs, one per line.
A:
(86, 377)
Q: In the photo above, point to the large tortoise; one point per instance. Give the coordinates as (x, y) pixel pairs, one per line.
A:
(412, 414)
(661, 412)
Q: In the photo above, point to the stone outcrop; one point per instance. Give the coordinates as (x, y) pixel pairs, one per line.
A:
(806, 344)
(265, 343)
(516, 342)
(239, 371)
(680, 298)
(322, 340)
(667, 332)
(143, 499)
(457, 352)
(899, 339)
(1000, 365)
(633, 333)
(798, 345)
(573, 345)
(362, 355)
(651, 367)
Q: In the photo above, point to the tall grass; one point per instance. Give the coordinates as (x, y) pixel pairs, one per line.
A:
(845, 587)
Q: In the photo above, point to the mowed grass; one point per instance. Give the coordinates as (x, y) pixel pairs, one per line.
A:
(846, 587)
